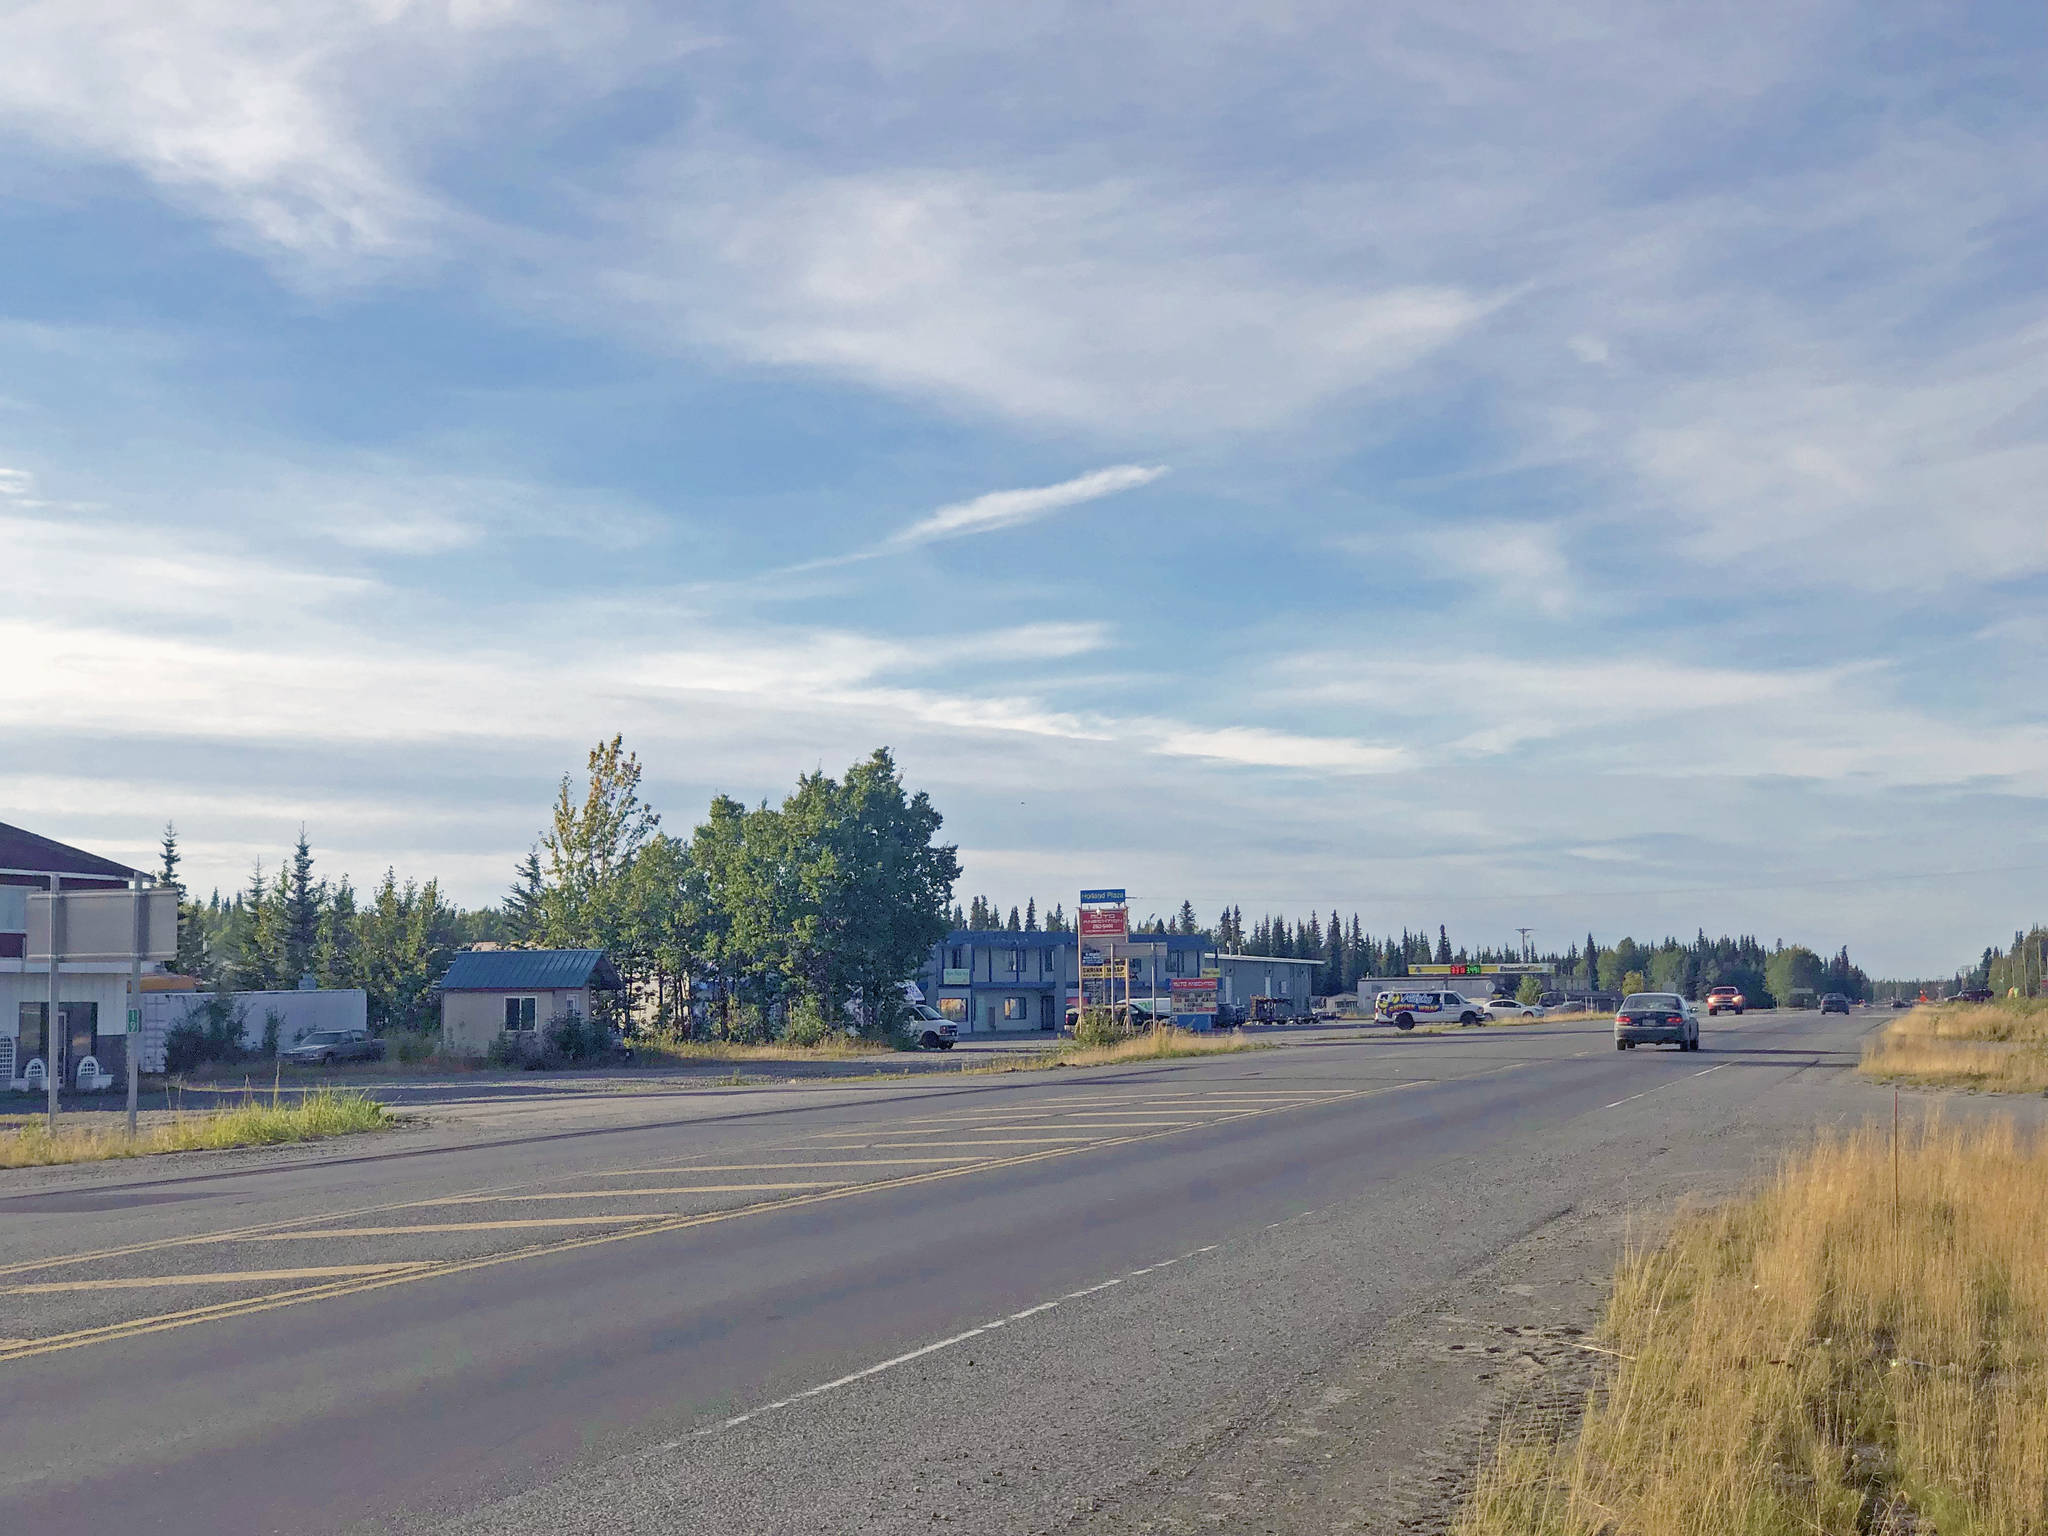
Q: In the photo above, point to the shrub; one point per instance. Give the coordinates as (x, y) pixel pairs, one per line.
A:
(412, 1045)
(273, 1028)
(571, 1037)
(210, 1032)
(807, 1024)
(506, 1050)
(1097, 1027)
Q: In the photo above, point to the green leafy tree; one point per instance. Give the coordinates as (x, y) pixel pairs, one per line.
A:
(407, 940)
(1791, 968)
(590, 847)
(1529, 992)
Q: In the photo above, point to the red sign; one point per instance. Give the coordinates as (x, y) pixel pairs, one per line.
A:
(1105, 922)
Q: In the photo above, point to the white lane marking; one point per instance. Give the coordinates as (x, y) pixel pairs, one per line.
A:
(627, 1194)
(923, 1350)
(849, 1162)
(1647, 1091)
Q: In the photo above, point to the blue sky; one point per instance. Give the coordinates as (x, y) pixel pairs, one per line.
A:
(1578, 466)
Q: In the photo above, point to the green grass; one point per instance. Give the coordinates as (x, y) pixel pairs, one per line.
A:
(254, 1122)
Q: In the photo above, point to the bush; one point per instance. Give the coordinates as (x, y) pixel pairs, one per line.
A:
(506, 1050)
(1096, 1027)
(411, 1045)
(273, 1028)
(807, 1024)
(571, 1037)
(208, 1033)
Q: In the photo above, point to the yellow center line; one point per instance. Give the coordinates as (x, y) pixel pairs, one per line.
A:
(1014, 1141)
(345, 1286)
(465, 1226)
(614, 1194)
(223, 1277)
(849, 1162)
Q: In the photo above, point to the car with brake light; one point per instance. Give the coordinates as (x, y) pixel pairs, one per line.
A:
(1725, 1000)
(1656, 1018)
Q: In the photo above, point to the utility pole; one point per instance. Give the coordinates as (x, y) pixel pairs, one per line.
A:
(1527, 952)
(52, 1026)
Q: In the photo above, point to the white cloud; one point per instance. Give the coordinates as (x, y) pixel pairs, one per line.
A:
(1006, 509)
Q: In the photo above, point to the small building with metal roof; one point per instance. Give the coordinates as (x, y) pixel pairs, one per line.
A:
(490, 992)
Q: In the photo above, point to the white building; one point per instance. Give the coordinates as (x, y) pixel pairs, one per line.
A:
(101, 914)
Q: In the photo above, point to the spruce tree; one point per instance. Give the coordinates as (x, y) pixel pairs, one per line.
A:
(302, 903)
(1031, 914)
(1443, 945)
(1016, 923)
(523, 902)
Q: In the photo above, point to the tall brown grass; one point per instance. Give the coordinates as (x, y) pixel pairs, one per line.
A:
(1160, 1043)
(1815, 1359)
(253, 1122)
(1999, 1047)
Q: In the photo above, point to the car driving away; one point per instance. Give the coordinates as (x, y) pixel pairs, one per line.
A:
(1834, 1002)
(1726, 1000)
(324, 1047)
(1655, 1018)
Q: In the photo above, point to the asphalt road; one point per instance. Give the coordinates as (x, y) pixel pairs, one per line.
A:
(989, 1303)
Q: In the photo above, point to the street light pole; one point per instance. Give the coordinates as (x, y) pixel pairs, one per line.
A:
(133, 1040)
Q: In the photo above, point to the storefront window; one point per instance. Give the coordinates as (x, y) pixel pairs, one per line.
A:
(1014, 1010)
(954, 1008)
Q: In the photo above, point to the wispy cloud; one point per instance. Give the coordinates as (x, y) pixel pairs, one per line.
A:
(993, 510)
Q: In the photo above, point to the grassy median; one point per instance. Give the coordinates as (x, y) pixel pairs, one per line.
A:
(1818, 1358)
(254, 1122)
(1998, 1047)
(1159, 1044)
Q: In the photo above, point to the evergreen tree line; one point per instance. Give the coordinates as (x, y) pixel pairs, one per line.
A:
(801, 918)
(1349, 953)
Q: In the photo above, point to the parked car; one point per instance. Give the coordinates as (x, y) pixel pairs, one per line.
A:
(324, 1047)
(1974, 995)
(934, 1031)
(1899, 1003)
(1508, 1008)
(1651, 1018)
(1726, 1000)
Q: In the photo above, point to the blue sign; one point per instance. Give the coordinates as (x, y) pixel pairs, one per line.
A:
(1103, 898)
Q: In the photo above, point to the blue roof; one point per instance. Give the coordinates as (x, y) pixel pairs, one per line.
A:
(528, 970)
(997, 938)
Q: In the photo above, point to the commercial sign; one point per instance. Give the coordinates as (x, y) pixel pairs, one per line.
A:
(1106, 897)
(1103, 971)
(1504, 968)
(954, 976)
(1104, 922)
(1193, 994)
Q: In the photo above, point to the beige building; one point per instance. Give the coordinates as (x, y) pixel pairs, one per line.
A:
(492, 992)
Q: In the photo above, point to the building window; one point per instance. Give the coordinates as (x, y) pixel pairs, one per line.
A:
(519, 1012)
(1014, 1010)
(31, 1028)
(1016, 962)
(954, 1008)
(953, 960)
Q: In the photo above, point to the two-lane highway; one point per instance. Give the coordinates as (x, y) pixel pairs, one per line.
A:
(986, 1301)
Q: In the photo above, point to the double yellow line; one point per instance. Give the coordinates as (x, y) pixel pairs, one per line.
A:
(165, 1322)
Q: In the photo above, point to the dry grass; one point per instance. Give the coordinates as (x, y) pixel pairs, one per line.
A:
(1158, 1044)
(1996, 1047)
(254, 1122)
(676, 1052)
(1806, 1360)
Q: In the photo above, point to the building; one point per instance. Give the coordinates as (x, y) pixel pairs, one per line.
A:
(99, 910)
(986, 979)
(490, 992)
(1240, 978)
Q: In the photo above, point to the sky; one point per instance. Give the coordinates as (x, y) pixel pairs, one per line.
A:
(1576, 466)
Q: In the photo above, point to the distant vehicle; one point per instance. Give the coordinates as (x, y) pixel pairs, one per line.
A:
(1405, 1009)
(1834, 1002)
(1726, 1000)
(1974, 995)
(934, 1031)
(1270, 1010)
(1228, 1015)
(1508, 1008)
(1651, 1018)
(324, 1047)
(1900, 1002)
(1802, 997)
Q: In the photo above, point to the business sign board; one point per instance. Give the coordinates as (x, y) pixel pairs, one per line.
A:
(954, 976)
(1103, 971)
(1104, 922)
(1489, 968)
(1108, 896)
(1194, 994)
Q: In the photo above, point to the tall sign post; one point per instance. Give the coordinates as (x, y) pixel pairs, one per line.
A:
(1105, 917)
(52, 1056)
(132, 1041)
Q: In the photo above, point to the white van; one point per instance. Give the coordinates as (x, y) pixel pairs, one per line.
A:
(1404, 1010)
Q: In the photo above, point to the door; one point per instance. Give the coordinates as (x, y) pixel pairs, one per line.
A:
(81, 1023)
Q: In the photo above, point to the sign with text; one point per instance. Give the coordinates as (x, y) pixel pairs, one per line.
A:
(1476, 968)
(1108, 896)
(1104, 922)
(1194, 994)
(1103, 971)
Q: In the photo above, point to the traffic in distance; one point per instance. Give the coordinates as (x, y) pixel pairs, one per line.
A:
(1644, 1018)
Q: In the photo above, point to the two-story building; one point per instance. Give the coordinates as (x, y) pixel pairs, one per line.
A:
(102, 913)
(986, 979)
